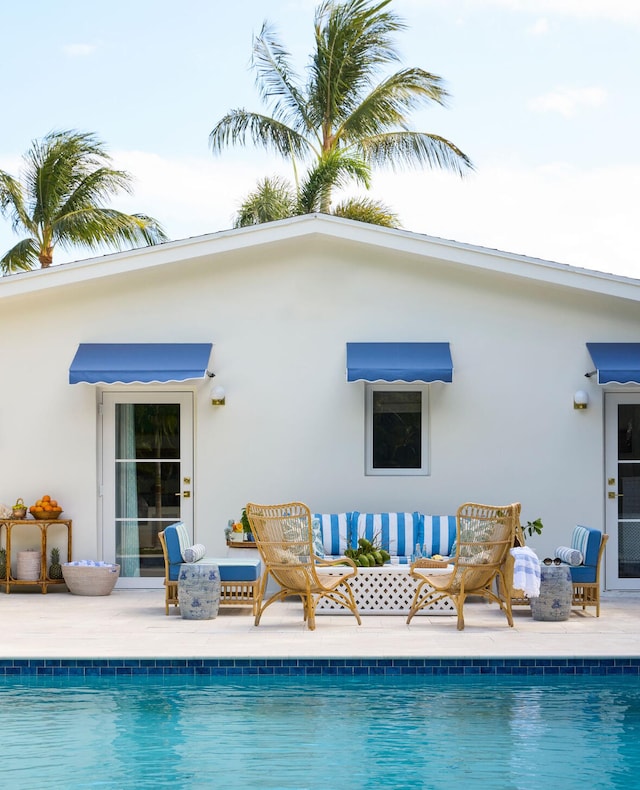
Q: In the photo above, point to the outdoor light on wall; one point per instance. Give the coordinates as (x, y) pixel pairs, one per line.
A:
(580, 400)
(218, 396)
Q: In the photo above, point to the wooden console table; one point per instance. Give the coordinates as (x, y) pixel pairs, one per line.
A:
(43, 524)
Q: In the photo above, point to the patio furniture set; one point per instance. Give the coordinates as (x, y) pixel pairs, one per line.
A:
(304, 555)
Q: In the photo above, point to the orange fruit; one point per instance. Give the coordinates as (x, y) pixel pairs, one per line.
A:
(53, 503)
(46, 498)
(38, 509)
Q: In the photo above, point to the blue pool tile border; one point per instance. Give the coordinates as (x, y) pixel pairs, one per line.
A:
(300, 667)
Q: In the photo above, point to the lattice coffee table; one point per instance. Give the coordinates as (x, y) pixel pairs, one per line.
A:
(387, 589)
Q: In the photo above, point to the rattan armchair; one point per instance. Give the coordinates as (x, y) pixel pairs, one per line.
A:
(485, 533)
(170, 586)
(284, 538)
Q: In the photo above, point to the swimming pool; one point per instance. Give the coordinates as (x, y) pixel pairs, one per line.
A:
(324, 732)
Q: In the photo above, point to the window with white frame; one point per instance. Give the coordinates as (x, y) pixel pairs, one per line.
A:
(397, 429)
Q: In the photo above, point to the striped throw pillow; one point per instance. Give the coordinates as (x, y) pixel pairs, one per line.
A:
(193, 553)
(569, 555)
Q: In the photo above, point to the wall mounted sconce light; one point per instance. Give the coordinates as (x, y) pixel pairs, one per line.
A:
(580, 400)
(218, 396)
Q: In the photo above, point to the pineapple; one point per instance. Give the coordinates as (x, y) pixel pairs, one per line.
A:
(55, 569)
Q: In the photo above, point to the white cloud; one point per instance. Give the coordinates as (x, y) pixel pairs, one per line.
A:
(78, 50)
(540, 27)
(567, 101)
(557, 212)
(560, 213)
(615, 10)
(192, 196)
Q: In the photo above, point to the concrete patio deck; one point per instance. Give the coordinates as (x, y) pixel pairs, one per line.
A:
(132, 624)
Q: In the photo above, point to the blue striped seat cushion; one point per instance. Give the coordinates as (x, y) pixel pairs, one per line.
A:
(335, 530)
(439, 535)
(397, 533)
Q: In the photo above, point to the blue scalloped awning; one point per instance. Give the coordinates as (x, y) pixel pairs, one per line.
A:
(616, 363)
(408, 362)
(143, 363)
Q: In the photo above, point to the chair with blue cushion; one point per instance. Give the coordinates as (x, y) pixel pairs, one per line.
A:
(170, 585)
(240, 579)
(587, 549)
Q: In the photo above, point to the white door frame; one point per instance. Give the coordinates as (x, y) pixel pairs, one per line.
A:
(108, 400)
(613, 489)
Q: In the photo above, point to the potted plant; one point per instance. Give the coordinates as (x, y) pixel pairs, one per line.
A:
(534, 527)
(246, 527)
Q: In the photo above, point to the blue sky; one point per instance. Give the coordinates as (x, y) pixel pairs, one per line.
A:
(544, 100)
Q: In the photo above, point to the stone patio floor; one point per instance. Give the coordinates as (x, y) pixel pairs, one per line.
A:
(132, 624)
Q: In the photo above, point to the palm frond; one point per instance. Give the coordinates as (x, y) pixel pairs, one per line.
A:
(277, 82)
(405, 148)
(334, 171)
(273, 199)
(263, 131)
(20, 258)
(367, 210)
(12, 203)
(387, 106)
(93, 190)
(353, 40)
(94, 227)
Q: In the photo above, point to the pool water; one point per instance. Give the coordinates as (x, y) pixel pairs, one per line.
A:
(326, 733)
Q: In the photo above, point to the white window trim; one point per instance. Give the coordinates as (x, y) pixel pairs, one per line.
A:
(423, 470)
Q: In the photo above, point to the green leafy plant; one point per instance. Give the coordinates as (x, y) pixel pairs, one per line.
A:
(246, 527)
(534, 527)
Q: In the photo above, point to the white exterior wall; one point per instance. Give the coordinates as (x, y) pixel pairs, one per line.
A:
(280, 316)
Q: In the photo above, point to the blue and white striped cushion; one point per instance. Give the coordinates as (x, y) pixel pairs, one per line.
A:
(183, 537)
(397, 533)
(439, 534)
(579, 539)
(194, 553)
(569, 555)
(335, 528)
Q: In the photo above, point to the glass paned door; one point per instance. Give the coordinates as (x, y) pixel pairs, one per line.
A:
(623, 491)
(147, 474)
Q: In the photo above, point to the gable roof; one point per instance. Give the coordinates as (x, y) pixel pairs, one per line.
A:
(321, 226)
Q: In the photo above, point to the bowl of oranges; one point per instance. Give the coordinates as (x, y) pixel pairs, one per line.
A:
(46, 508)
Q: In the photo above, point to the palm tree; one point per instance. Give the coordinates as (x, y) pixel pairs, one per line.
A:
(342, 110)
(60, 198)
(275, 198)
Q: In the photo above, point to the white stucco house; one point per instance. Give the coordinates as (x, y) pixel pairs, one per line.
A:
(474, 401)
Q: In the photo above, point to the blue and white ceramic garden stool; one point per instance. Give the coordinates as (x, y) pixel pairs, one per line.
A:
(199, 590)
(556, 590)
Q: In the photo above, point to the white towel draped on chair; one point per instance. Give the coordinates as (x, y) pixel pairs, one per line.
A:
(526, 571)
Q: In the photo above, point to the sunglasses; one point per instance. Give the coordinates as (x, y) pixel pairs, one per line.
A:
(554, 561)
